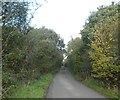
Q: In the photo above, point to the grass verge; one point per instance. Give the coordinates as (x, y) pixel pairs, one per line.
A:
(36, 89)
(110, 93)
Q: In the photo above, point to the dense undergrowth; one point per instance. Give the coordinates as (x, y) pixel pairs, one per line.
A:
(36, 89)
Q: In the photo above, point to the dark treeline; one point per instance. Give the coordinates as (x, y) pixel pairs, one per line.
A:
(96, 54)
(27, 53)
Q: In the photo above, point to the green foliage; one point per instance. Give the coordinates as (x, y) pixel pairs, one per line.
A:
(97, 53)
(26, 55)
(43, 50)
(77, 59)
(104, 46)
(36, 89)
(13, 54)
(15, 14)
(29, 56)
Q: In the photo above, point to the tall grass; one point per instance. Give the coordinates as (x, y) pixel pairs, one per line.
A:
(36, 89)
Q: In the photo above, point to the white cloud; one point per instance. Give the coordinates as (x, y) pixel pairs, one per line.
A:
(66, 17)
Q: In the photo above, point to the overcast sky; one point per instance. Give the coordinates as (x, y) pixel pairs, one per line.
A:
(66, 17)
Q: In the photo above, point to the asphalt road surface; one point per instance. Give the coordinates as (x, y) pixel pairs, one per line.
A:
(65, 86)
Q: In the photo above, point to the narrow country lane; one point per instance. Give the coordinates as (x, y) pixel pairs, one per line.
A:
(65, 86)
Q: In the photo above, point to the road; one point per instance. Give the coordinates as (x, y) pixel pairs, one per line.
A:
(65, 86)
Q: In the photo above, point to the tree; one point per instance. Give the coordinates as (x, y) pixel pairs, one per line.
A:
(104, 46)
(15, 14)
(98, 51)
(15, 24)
